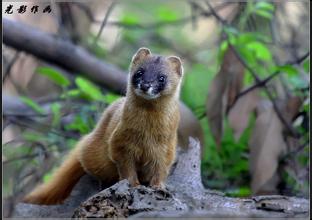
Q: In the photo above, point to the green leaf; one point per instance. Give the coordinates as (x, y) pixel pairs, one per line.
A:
(71, 93)
(34, 137)
(32, 104)
(244, 138)
(306, 65)
(54, 76)
(261, 51)
(166, 14)
(130, 19)
(56, 110)
(232, 39)
(89, 89)
(264, 6)
(240, 192)
(79, 124)
(110, 98)
(224, 45)
(232, 34)
(71, 143)
(245, 38)
(289, 69)
(47, 177)
(248, 79)
(247, 54)
(264, 14)
(195, 85)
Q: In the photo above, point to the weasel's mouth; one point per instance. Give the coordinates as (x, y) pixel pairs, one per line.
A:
(146, 95)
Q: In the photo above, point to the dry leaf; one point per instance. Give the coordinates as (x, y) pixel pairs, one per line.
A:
(215, 108)
(233, 70)
(222, 92)
(267, 144)
(240, 112)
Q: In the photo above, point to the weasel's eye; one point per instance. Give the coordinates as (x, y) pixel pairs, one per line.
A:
(139, 72)
(161, 79)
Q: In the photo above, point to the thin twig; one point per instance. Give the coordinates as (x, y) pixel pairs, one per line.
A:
(21, 114)
(201, 116)
(47, 127)
(10, 65)
(109, 11)
(251, 88)
(28, 156)
(86, 10)
(296, 151)
(266, 80)
(214, 13)
(300, 59)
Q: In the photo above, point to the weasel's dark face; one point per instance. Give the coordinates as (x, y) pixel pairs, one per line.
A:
(150, 79)
(154, 76)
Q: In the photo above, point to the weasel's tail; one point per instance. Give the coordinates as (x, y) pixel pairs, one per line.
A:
(61, 184)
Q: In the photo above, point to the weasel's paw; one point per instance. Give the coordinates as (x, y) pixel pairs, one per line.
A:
(158, 186)
(134, 183)
(161, 190)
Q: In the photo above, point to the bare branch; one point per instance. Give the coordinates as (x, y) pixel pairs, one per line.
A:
(86, 10)
(64, 53)
(266, 80)
(10, 65)
(294, 152)
(300, 59)
(28, 156)
(109, 10)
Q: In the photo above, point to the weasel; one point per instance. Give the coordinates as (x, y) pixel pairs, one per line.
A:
(135, 138)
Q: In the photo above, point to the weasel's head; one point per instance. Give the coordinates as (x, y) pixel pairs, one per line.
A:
(153, 76)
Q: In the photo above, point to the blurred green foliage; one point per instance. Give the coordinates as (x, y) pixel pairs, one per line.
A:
(31, 103)
(54, 76)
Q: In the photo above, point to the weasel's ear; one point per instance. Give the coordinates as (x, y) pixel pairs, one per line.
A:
(176, 64)
(140, 55)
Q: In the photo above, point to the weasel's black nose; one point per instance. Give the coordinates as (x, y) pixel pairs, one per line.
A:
(145, 86)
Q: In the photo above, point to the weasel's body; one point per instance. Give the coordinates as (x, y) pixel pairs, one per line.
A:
(135, 138)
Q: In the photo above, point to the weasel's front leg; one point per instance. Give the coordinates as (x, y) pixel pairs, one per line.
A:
(125, 164)
(126, 170)
(161, 169)
(160, 173)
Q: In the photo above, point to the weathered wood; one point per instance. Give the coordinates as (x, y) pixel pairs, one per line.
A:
(184, 196)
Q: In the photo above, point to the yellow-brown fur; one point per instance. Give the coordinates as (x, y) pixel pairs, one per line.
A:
(135, 139)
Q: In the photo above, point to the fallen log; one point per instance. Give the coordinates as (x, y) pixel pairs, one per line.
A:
(184, 196)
